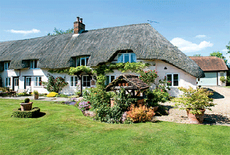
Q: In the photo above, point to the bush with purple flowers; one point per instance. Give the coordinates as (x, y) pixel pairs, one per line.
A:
(84, 105)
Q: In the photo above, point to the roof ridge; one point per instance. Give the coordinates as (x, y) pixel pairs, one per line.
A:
(119, 26)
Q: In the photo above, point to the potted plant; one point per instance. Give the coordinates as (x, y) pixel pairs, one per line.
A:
(195, 102)
(36, 95)
(26, 105)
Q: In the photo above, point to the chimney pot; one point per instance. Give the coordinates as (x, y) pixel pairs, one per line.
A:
(78, 19)
(81, 20)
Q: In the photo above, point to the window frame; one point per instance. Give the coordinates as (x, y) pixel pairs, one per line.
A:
(7, 81)
(86, 82)
(130, 55)
(38, 81)
(73, 81)
(28, 77)
(79, 60)
(110, 77)
(6, 65)
(33, 64)
(172, 79)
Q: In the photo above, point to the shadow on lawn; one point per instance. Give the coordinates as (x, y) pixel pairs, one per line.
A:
(41, 114)
(215, 119)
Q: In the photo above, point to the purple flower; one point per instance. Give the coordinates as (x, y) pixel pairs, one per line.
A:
(83, 105)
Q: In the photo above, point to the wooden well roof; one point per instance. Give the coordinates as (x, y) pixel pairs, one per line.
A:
(134, 83)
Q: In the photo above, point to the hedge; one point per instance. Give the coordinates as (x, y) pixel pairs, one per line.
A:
(26, 114)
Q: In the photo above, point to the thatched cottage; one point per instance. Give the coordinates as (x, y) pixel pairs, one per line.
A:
(25, 63)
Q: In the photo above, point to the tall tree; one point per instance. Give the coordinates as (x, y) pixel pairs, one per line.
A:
(228, 47)
(59, 31)
(219, 55)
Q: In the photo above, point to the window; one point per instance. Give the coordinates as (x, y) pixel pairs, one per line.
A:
(85, 81)
(8, 82)
(6, 65)
(73, 81)
(38, 81)
(126, 57)
(82, 61)
(109, 79)
(173, 79)
(16, 81)
(28, 81)
(33, 64)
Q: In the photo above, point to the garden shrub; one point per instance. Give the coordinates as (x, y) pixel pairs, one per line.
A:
(26, 114)
(83, 105)
(52, 94)
(55, 85)
(223, 79)
(140, 114)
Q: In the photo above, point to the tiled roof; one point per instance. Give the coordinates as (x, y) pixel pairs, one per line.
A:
(210, 63)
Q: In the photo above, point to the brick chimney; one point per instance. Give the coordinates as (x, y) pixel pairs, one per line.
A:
(79, 26)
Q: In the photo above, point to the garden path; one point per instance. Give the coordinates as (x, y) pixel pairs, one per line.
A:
(220, 114)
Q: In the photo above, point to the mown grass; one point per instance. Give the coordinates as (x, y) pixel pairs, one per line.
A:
(64, 130)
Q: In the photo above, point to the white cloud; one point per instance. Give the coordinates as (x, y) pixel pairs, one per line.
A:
(224, 50)
(24, 32)
(187, 46)
(200, 36)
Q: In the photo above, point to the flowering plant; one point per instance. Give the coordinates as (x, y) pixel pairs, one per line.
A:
(84, 105)
(148, 76)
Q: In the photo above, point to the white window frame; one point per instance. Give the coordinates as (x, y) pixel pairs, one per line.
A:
(27, 81)
(86, 81)
(8, 81)
(73, 81)
(130, 56)
(172, 74)
(110, 77)
(37, 81)
(33, 63)
(86, 58)
(6, 65)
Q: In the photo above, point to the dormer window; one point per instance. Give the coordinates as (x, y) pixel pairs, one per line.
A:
(6, 65)
(82, 61)
(33, 64)
(126, 57)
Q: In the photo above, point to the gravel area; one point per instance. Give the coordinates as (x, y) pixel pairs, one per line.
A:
(220, 114)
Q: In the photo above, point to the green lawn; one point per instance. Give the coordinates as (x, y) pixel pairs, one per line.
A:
(64, 130)
(227, 86)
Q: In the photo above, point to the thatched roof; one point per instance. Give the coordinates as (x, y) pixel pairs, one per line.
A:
(210, 63)
(133, 80)
(101, 45)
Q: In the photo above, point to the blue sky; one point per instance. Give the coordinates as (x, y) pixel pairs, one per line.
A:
(195, 26)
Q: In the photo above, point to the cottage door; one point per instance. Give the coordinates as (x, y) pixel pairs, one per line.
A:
(85, 82)
(16, 84)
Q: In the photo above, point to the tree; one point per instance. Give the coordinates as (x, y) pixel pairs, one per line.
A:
(228, 47)
(197, 55)
(219, 55)
(59, 31)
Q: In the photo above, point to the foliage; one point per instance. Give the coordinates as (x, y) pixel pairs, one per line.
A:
(140, 114)
(148, 76)
(3, 89)
(59, 31)
(62, 95)
(83, 105)
(35, 92)
(27, 100)
(219, 55)
(63, 70)
(77, 69)
(55, 85)
(194, 99)
(197, 55)
(223, 79)
(228, 47)
(23, 94)
(52, 94)
(123, 67)
(26, 114)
